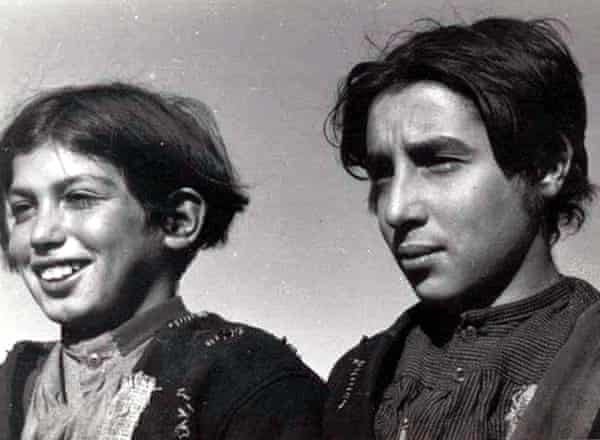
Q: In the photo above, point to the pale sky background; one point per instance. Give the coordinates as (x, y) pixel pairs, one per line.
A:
(306, 261)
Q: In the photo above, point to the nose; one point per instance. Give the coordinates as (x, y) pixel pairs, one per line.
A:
(405, 207)
(48, 229)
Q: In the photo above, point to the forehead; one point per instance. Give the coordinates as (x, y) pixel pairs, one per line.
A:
(420, 112)
(52, 162)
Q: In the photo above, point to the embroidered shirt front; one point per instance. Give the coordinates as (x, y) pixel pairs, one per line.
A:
(88, 390)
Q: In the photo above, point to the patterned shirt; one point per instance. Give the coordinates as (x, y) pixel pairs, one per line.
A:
(472, 378)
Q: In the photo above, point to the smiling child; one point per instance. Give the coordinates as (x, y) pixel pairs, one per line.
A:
(108, 192)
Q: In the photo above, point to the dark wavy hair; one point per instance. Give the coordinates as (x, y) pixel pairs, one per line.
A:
(521, 77)
(160, 142)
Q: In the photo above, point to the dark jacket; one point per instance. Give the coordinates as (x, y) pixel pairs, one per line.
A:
(214, 380)
(566, 403)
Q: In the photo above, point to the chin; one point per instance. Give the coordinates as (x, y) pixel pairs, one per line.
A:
(438, 298)
(62, 314)
(58, 316)
(435, 291)
(451, 298)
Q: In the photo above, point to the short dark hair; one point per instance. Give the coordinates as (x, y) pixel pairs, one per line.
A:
(160, 142)
(522, 79)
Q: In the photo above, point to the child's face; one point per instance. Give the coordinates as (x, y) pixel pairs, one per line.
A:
(80, 240)
(454, 221)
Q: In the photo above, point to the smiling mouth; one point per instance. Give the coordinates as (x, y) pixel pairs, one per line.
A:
(60, 271)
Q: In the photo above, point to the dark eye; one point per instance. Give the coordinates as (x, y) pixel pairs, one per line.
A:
(21, 211)
(81, 199)
(440, 164)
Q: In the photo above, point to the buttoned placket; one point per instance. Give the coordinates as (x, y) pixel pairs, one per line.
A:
(92, 369)
(403, 430)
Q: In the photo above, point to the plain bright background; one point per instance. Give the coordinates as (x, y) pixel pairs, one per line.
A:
(306, 261)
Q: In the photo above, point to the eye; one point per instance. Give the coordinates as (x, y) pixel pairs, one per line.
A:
(81, 199)
(440, 164)
(21, 210)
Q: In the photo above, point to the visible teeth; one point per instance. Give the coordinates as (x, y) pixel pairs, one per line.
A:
(59, 272)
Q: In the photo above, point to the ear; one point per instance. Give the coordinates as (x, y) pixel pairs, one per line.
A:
(182, 225)
(554, 178)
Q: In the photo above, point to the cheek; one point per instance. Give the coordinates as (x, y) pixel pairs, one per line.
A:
(18, 247)
(492, 221)
(106, 232)
(471, 213)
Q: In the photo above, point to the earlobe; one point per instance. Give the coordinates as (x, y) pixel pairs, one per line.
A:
(184, 222)
(552, 182)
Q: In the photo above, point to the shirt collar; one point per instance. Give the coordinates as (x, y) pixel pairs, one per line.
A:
(443, 327)
(139, 328)
(132, 333)
(522, 309)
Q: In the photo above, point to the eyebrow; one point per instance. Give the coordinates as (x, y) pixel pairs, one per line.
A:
(440, 144)
(65, 183)
(380, 156)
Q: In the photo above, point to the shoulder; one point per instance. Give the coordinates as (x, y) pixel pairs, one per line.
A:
(355, 358)
(370, 347)
(570, 402)
(238, 371)
(357, 377)
(232, 353)
(216, 340)
(18, 365)
(237, 357)
(587, 297)
(25, 352)
(20, 361)
(580, 302)
(582, 291)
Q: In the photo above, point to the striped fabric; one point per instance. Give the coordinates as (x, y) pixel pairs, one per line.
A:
(469, 379)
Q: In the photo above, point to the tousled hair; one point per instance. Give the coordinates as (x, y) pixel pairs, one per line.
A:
(159, 142)
(522, 79)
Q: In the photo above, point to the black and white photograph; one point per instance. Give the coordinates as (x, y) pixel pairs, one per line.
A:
(263, 219)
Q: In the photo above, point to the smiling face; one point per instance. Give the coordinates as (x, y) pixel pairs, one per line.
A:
(455, 223)
(80, 240)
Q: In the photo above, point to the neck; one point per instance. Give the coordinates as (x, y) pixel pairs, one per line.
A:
(536, 272)
(135, 304)
(533, 272)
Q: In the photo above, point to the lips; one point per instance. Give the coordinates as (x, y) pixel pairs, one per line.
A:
(415, 251)
(58, 270)
(414, 258)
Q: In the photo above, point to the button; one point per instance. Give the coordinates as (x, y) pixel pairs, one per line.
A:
(470, 332)
(94, 360)
(459, 375)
